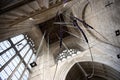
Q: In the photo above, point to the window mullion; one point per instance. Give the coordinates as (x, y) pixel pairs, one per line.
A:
(5, 50)
(22, 47)
(22, 59)
(31, 48)
(18, 62)
(9, 78)
(19, 41)
(26, 67)
(18, 51)
(7, 63)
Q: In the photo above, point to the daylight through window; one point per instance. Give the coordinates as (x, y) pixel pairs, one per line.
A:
(67, 54)
(16, 54)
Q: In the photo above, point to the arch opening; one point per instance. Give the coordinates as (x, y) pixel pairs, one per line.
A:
(102, 72)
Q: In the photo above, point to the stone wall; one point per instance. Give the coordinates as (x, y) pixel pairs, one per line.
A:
(105, 20)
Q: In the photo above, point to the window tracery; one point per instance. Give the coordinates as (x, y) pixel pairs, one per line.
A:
(67, 54)
(16, 54)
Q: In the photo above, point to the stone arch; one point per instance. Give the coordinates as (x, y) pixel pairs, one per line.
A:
(83, 57)
(69, 46)
(101, 71)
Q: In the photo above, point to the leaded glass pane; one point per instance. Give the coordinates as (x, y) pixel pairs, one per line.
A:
(17, 38)
(17, 74)
(2, 61)
(14, 77)
(4, 75)
(23, 52)
(10, 60)
(6, 43)
(8, 71)
(21, 44)
(27, 57)
(12, 67)
(12, 52)
(3, 47)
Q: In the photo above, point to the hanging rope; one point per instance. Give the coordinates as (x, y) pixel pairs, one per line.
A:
(84, 72)
(88, 26)
(93, 67)
(76, 25)
(61, 32)
(59, 16)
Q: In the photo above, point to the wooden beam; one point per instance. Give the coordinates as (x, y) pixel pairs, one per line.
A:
(13, 6)
(34, 14)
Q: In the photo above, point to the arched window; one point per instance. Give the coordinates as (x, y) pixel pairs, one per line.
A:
(67, 54)
(16, 54)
